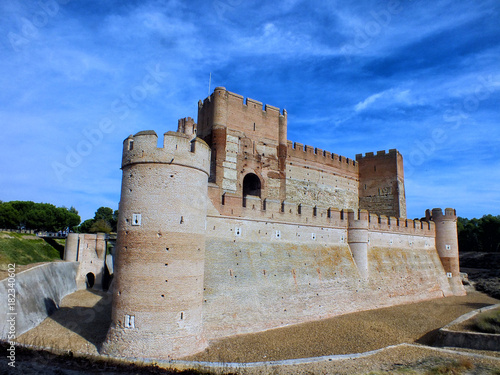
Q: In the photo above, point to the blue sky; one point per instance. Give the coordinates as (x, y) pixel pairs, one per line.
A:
(78, 77)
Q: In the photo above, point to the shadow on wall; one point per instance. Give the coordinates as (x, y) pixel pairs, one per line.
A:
(91, 323)
(50, 306)
(56, 245)
(429, 338)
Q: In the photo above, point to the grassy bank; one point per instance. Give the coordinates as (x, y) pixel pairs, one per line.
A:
(23, 249)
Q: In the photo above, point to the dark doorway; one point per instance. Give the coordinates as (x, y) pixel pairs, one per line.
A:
(251, 185)
(90, 280)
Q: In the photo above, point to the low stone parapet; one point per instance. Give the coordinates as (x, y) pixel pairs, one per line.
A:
(447, 337)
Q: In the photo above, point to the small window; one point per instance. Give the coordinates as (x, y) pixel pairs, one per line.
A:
(131, 145)
(448, 247)
(313, 236)
(136, 219)
(449, 275)
(237, 232)
(129, 321)
(278, 234)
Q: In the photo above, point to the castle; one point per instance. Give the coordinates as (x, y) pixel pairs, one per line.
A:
(229, 228)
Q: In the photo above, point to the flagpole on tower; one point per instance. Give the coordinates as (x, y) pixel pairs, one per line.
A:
(209, 83)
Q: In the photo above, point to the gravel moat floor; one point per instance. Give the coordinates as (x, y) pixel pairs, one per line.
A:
(351, 333)
(81, 323)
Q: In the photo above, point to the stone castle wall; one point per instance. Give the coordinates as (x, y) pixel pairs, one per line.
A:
(90, 251)
(381, 183)
(268, 269)
(204, 253)
(317, 177)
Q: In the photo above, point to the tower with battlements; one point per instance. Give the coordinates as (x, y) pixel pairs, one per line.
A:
(160, 249)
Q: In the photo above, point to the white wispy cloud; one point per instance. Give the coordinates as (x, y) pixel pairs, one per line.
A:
(387, 98)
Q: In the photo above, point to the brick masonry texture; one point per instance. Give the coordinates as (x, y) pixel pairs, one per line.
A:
(229, 228)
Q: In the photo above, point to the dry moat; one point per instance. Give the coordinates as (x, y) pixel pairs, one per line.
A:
(81, 323)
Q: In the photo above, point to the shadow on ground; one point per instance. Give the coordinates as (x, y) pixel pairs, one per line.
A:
(429, 338)
(91, 323)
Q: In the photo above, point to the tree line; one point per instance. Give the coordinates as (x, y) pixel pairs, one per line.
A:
(46, 217)
(481, 235)
(37, 216)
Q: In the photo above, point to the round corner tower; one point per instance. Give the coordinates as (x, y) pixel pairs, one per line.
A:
(160, 249)
(447, 245)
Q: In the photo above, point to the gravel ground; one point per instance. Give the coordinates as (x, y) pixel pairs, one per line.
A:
(351, 333)
(81, 323)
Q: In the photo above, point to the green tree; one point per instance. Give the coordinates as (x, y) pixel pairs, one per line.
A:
(482, 235)
(37, 216)
(104, 220)
(85, 226)
(22, 207)
(104, 213)
(101, 226)
(41, 216)
(72, 218)
(9, 216)
(489, 233)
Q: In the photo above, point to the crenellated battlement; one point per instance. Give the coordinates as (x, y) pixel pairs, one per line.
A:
(301, 214)
(384, 223)
(309, 153)
(378, 154)
(177, 148)
(437, 214)
(248, 103)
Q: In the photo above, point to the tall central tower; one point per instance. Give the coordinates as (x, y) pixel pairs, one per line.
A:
(159, 266)
(249, 144)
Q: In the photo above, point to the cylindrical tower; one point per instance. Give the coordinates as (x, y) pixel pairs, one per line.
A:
(220, 107)
(160, 249)
(357, 238)
(447, 239)
(71, 247)
(447, 245)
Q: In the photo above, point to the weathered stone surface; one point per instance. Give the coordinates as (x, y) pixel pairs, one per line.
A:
(280, 235)
(38, 293)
